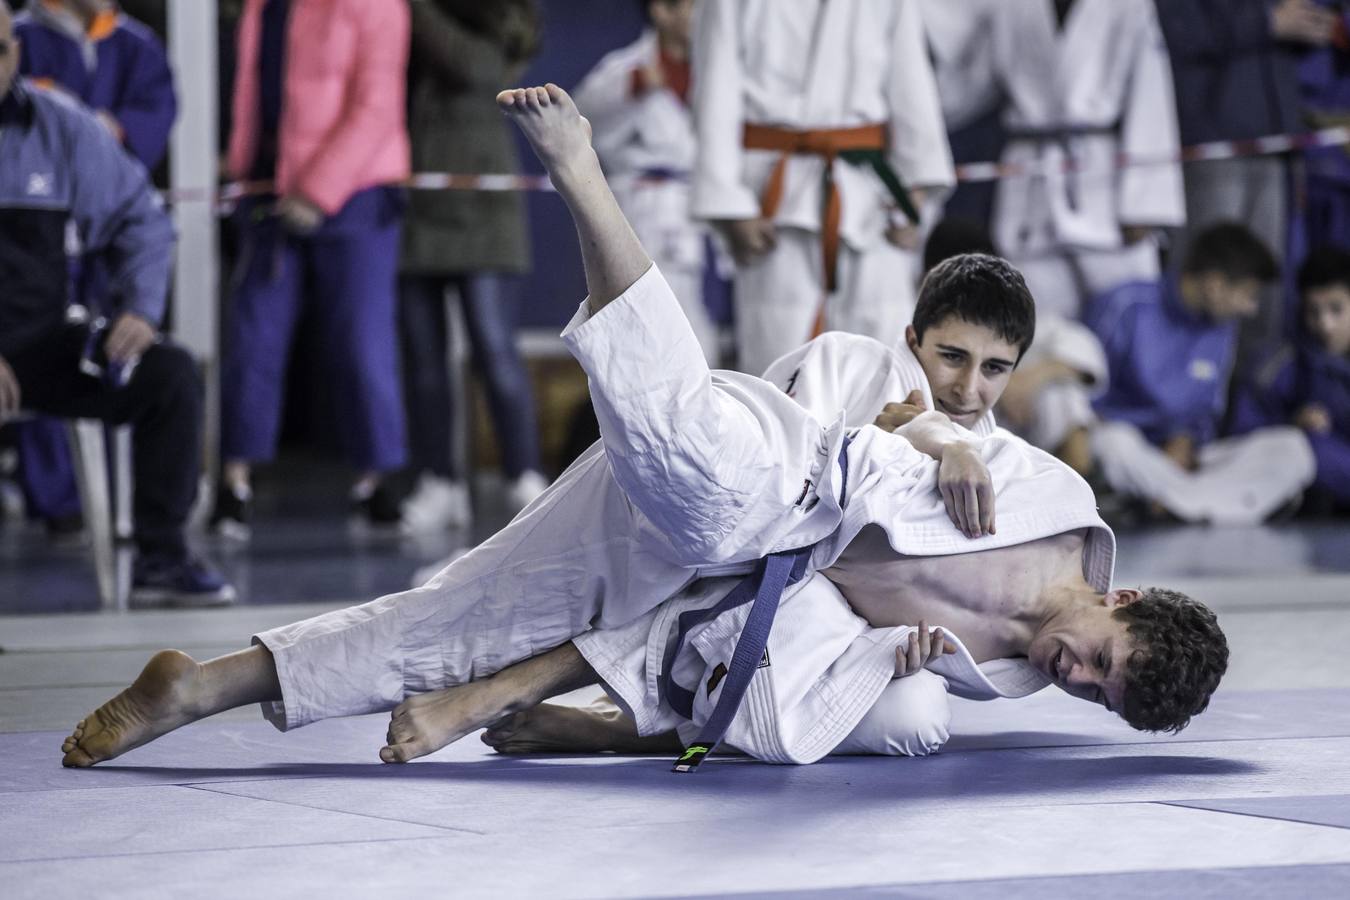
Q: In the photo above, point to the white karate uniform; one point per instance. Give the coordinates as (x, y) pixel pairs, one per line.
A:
(1063, 407)
(961, 46)
(1103, 82)
(646, 146)
(804, 64)
(700, 474)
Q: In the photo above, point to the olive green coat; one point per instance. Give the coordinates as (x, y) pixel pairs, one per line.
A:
(454, 76)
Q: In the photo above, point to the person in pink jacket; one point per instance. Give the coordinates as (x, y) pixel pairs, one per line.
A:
(319, 112)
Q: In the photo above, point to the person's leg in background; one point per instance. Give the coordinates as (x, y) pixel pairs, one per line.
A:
(1053, 282)
(777, 298)
(162, 403)
(47, 476)
(265, 306)
(353, 264)
(440, 499)
(490, 302)
(877, 292)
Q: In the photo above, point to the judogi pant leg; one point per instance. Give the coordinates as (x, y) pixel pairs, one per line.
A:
(877, 292)
(687, 283)
(910, 718)
(1059, 410)
(353, 267)
(265, 306)
(1332, 452)
(777, 298)
(46, 470)
(1238, 481)
(1053, 283)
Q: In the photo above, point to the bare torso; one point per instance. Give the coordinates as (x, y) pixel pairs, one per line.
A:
(989, 599)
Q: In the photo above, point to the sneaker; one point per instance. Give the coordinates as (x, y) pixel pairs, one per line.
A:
(167, 581)
(375, 508)
(521, 492)
(233, 513)
(436, 505)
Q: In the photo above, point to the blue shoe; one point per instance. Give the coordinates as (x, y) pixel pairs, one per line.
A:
(166, 581)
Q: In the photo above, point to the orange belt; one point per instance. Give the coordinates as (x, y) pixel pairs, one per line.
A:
(824, 142)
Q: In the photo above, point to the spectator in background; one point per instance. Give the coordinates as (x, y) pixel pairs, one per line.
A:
(117, 67)
(463, 53)
(811, 119)
(1170, 346)
(1084, 81)
(319, 112)
(637, 101)
(1324, 82)
(1308, 385)
(1234, 65)
(61, 171)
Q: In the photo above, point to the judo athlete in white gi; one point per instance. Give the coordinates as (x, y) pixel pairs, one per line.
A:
(1084, 81)
(802, 109)
(636, 99)
(701, 475)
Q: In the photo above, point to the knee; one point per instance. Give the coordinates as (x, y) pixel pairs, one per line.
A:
(910, 718)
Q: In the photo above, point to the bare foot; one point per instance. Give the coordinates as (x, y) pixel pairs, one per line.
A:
(161, 699)
(427, 722)
(558, 729)
(558, 132)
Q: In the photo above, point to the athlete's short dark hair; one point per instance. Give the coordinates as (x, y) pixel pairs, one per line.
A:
(1181, 655)
(980, 289)
(1230, 250)
(1326, 266)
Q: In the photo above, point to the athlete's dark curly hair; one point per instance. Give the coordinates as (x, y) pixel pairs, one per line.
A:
(1182, 655)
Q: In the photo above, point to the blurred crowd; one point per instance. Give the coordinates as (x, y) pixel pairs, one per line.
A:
(1192, 349)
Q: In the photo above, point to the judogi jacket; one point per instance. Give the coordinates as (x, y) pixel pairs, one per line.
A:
(66, 184)
(722, 469)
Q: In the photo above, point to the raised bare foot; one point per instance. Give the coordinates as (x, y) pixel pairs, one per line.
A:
(425, 723)
(558, 132)
(161, 699)
(548, 728)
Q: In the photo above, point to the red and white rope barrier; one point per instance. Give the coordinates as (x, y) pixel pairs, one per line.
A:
(968, 173)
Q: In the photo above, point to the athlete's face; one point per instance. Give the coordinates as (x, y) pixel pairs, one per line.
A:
(673, 20)
(1087, 653)
(1326, 310)
(967, 365)
(1224, 299)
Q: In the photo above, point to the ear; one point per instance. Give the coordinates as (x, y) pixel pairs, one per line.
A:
(1122, 597)
(912, 338)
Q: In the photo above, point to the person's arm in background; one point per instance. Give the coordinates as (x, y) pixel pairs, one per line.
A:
(117, 212)
(147, 106)
(1217, 30)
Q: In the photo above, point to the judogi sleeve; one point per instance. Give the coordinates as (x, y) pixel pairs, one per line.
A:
(717, 103)
(725, 467)
(115, 210)
(918, 145)
(148, 105)
(1150, 194)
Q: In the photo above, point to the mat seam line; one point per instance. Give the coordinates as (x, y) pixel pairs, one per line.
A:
(205, 788)
(1181, 804)
(19, 862)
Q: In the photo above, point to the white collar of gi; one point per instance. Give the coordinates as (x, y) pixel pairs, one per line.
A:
(1015, 677)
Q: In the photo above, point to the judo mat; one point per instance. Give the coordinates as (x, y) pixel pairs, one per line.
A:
(1035, 797)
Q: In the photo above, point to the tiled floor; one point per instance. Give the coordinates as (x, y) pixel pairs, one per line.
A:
(1043, 796)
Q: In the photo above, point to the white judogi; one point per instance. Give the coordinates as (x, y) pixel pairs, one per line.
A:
(807, 64)
(1063, 407)
(646, 145)
(960, 41)
(1099, 87)
(700, 474)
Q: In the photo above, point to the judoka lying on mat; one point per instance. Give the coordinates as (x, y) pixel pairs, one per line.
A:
(705, 483)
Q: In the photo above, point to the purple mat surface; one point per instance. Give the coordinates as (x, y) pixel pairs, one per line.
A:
(1331, 810)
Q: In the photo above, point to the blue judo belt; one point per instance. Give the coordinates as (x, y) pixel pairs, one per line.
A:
(763, 589)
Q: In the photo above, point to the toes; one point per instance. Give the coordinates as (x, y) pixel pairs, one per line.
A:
(555, 93)
(401, 753)
(77, 758)
(506, 99)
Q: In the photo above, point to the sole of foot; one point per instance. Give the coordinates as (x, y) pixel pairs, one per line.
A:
(558, 132)
(427, 722)
(158, 701)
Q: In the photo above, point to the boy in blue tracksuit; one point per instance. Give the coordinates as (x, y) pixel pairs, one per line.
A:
(119, 69)
(1308, 384)
(62, 175)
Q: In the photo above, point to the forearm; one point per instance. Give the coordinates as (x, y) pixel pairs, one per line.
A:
(613, 257)
(932, 433)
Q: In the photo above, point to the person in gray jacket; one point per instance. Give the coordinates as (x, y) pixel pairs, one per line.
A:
(65, 181)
